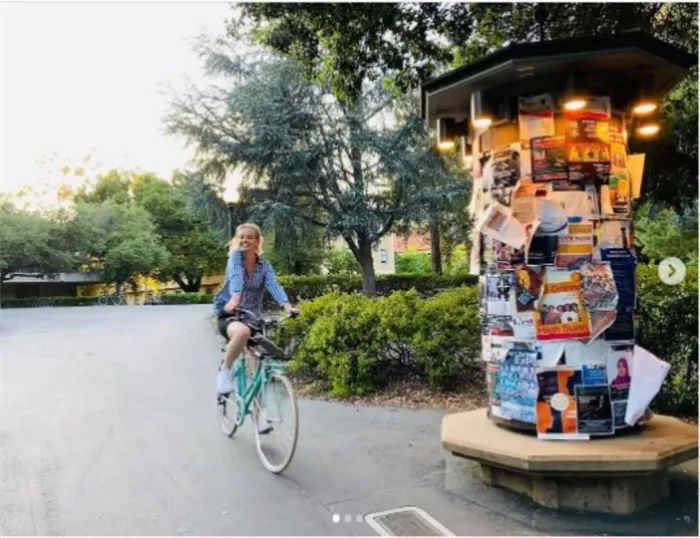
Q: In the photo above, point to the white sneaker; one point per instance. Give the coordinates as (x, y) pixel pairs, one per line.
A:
(223, 381)
(264, 425)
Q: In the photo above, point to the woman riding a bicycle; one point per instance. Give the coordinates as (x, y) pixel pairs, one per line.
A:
(247, 278)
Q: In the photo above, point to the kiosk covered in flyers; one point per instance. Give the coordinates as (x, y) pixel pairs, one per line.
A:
(549, 131)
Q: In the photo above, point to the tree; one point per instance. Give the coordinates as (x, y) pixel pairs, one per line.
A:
(347, 171)
(662, 233)
(194, 248)
(115, 185)
(346, 46)
(340, 262)
(124, 243)
(31, 245)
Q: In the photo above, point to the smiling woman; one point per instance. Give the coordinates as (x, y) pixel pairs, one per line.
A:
(105, 99)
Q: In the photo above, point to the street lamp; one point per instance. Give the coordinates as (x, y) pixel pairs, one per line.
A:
(231, 198)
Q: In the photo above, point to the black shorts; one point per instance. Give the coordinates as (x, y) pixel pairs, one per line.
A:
(224, 321)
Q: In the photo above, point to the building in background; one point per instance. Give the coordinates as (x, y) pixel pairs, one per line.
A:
(60, 285)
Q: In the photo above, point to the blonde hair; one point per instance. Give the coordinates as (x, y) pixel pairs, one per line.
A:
(233, 244)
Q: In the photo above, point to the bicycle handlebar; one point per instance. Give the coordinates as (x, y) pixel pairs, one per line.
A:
(266, 322)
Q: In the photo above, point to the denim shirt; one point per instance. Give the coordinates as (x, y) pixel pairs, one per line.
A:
(251, 287)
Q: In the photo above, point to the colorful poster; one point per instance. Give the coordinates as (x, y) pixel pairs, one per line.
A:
(622, 265)
(594, 374)
(617, 130)
(516, 386)
(500, 294)
(577, 199)
(596, 108)
(501, 255)
(535, 118)
(506, 173)
(548, 156)
(498, 223)
(587, 131)
(600, 322)
(599, 290)
(588, 161)
(529, 282)
(523, 202)
(614, 234)
(594, 410)
(499, 326)
(524, 326)
(561, 312)
(623, 328)
(635, 168)
(619, 183)
(556, 404)
(576, 246)
(619, 371)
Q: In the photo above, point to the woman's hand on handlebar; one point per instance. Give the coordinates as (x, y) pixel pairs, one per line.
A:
(232, 305)
(291, 311)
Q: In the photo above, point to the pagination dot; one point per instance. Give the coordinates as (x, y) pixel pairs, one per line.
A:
(336, 518)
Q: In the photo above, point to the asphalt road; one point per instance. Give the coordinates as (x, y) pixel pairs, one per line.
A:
(109, 427)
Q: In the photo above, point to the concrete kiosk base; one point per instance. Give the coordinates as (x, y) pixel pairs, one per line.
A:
(619, 475)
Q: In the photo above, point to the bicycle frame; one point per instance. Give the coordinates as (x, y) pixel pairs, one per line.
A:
(249, 391)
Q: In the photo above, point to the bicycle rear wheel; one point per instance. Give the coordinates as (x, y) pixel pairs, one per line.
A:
(277, 447)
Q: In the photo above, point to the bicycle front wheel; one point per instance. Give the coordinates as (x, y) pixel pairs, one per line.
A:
(103, 301)
(279, 405)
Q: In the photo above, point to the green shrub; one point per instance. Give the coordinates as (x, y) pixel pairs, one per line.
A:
(413, 263)
(187, 298)
(304, 288)
(448, 336)
(356, 344)
(668, 328)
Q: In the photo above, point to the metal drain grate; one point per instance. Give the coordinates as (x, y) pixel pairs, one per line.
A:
(408, 521)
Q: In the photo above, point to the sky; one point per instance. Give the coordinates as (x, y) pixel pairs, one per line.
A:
(81, 79)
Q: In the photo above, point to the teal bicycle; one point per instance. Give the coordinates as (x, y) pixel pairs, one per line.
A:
(268, 393)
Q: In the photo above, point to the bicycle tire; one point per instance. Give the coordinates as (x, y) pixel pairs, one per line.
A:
(229, 413)
(267, 464)
(117, 300)
(229, 422)
(103, 301)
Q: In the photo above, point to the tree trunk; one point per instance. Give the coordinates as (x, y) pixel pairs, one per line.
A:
(369, 278)
(190, 285)
(435, 253)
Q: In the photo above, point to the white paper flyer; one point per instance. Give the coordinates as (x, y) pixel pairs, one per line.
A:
(649, 374)
(498, 223)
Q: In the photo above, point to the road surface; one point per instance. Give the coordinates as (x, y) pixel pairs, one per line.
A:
(109, 426)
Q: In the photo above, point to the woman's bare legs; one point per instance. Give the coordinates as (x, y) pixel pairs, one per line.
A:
(238, 337)
(238, 334)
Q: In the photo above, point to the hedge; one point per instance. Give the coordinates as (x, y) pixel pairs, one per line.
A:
(52, 301)
(298, 288)
(309, 287)
(355, 344)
